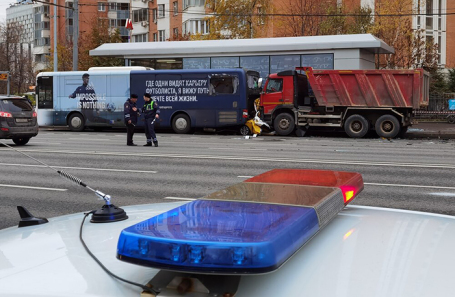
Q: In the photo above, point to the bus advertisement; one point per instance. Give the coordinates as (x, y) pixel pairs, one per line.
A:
(202, 98)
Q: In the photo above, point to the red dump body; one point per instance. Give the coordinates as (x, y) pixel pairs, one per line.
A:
(369, 88)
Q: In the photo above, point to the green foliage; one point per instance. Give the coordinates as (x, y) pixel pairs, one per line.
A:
(451, 80)
(438, 82)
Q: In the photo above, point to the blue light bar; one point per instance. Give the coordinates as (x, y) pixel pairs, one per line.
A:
(225, 237)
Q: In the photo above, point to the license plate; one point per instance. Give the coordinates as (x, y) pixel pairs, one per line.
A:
(21, 120)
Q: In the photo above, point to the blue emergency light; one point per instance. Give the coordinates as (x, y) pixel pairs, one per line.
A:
(252, 227)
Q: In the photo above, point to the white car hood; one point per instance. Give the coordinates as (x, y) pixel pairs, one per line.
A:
(364, 251)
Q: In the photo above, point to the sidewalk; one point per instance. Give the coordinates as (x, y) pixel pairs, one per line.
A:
(431, 130)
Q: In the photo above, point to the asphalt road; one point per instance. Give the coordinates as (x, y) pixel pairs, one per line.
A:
(408, 174)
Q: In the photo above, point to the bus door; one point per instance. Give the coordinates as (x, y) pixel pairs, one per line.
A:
(230, 105)
(45, 100)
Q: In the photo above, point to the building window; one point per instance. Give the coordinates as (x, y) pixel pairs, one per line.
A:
(176, 33)
(155, 38)
(154, 15)
(161, 11)
(140, 15)
(161, 35)
(140, 38)
(260, 16)
(196, 27)
(193, 3)
(101, 6)
(176, 7)
(118, 6)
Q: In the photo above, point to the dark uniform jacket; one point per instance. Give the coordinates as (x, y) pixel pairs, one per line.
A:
(129, 113)
(150, 109)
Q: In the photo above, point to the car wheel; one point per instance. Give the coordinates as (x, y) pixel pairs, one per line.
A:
(284, 124)
(387, 126)
(356, 126)
(21, 141)
(76, 122)
(181, 124)
(244, 130)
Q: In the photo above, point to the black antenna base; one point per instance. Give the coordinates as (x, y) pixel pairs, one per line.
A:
(108, 214)
(27, 219)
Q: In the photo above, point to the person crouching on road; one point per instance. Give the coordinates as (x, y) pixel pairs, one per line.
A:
(131, 114)
(151, 112)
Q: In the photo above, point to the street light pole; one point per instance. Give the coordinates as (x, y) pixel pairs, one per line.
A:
(55, 37)
(75, 33)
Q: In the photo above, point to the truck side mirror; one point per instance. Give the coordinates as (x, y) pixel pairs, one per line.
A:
(260, 83)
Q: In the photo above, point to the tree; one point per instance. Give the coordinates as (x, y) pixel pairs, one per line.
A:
(316, 17)
(100, 33)
(300, 17)
(451, 80)
(15, 57)
(233, 19)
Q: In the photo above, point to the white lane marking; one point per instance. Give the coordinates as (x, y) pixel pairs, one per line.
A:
(443, 194)
(33, 188)
(253, 159)
(231, 148)
(45, 142)
(80, 168)
(180, 198)
(89, 139)
(389, 185)
(409, 186)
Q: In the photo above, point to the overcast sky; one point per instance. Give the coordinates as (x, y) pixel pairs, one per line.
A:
(4, 4)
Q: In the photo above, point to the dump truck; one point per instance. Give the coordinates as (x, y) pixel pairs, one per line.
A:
(357, 101)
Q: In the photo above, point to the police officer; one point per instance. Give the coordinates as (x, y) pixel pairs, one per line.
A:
(151, 112)
(131, 114)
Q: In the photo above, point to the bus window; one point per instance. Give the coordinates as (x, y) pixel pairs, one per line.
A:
(252, 80)
(224, 84)
(44, 92)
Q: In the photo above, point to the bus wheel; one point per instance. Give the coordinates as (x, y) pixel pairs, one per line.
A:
(356, 126)
(181, 124)
(76, 122)
(21, 141)
(284, 124)
(244, 130)
(387, 126)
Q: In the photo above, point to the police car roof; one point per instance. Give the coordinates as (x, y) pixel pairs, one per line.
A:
(365, 251)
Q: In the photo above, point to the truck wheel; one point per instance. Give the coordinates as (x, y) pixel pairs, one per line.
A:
(244, 130)
(181, 124)
(21, 141)
(284, 124)
(387, 126)
(356, 126)
(76, 122)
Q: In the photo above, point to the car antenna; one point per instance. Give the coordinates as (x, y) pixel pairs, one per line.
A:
(106, 214)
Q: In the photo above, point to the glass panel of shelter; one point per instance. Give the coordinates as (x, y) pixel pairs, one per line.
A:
(263, 64)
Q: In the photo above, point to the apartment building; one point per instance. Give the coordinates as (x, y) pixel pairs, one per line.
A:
(162, 20)
(433, 17)
(34, 22)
